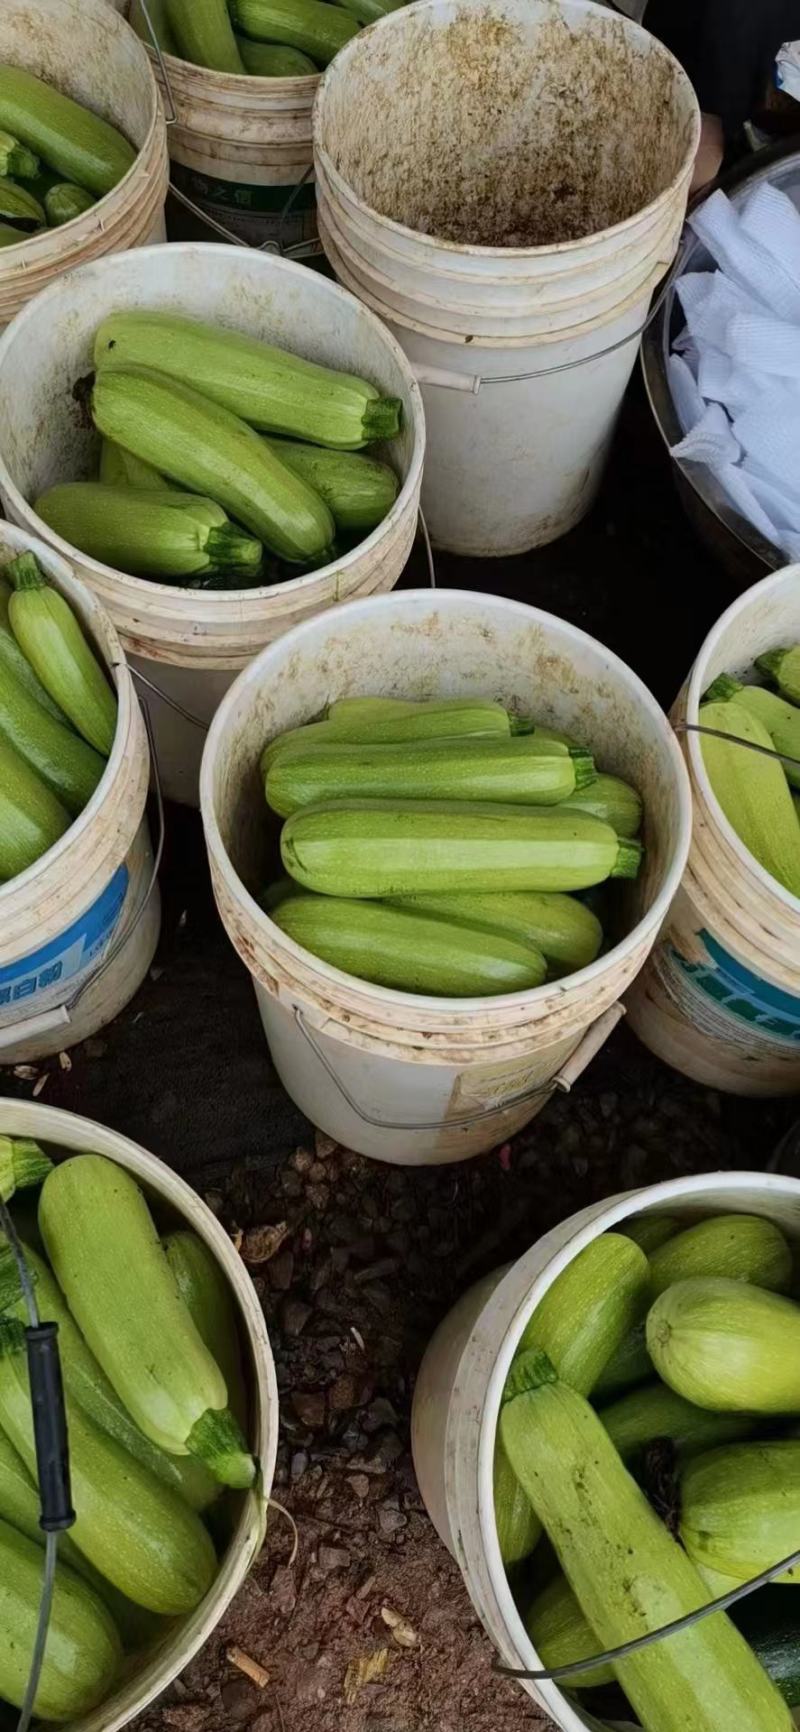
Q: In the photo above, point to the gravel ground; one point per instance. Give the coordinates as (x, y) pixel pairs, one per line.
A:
(370, 1628)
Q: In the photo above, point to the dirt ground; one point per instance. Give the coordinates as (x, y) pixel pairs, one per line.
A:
(373, 1256)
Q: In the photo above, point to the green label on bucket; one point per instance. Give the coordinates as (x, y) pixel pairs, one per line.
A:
(740, 995)
(41, 972)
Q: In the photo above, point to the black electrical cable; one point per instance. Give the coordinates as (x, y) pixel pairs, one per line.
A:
(50, 1431)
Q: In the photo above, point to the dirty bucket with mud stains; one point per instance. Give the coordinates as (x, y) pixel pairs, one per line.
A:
(505, 183)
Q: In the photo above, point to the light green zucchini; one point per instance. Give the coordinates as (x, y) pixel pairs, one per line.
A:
(274, 60)
(119, 468)
(76, 143)
(561, 1635)
(650, 1231)
(83, 1653)
(611, 799)
(752, 790)
(652, 1412)
(299, 23)
(157, 16)
(65, 201)
(163, 534)
(31, 818)
(727, 1346)
(207, 1297)
(267, 387)
(378, 721)
(373, 849)
(209, 450)
(204, 34)
(13, 662)
(783, 667)
(740, 1509)
(48, 633)
(22, 1164)
(358, 490)
(780, 718)
(518, 771)
(629, 1575)
(568, 934)
(110, 1265)
(69, 767)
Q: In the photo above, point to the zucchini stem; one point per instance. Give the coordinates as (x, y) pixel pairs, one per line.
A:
(629, 858)
(529, 1371)
(230, 549)
(22, 1163)
(25, 572)
(383, 418)
(583, 763)
(216, 1440)
(721, 689)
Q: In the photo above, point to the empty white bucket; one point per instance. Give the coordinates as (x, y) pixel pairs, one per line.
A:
(461, 1379)
(720, 999)
(395, 1075)
(189, 644)
(85, 49)
(148, 1673)
(78, 930)
(528, 195)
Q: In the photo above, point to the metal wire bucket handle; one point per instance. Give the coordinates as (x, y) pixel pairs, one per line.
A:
(60, 1015)
(561, 1083)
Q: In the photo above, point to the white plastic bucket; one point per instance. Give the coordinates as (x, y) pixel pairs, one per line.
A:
(512, 243)
(78, 930)
(189, 643)
(720, 999)
(149, 1673)
(396, 1075)
(461, 1379)
(87, 51)
(241, 148)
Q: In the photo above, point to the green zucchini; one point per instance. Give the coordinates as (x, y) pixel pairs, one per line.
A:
(76, 143)
(358, 490)
(611, 799)
(13, 662)
(629, 1575)
(89, 1387)
(16, 160)
(204, 34)
(770, 1622)
(740, 1509)
(300, 24)
(727, 1346)
(522, 771)
(781, 719)
(650, 1231)
(370, 848)
(22, 1164)
(643, 1415)
(752, 790)
(163, 534)
(65, 201)
(70, 768)
(119, 468)
(31, 818)
(568, 934)
(377, 722)
(368, 11)
(629, 1366)
(18, 205)
(207, 1296)
(274, 60)
(157, 18)
(11, 237)
(782, 666)
(409, 952)
(48, 633)
(561, 1635)
(209, 450)
(108, 1261)
(83, 1653)
(143, 1538)
(268, 387)
(584, 1314)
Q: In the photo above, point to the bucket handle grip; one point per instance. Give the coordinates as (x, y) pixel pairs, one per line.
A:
(60, 1015)
(561, 1083)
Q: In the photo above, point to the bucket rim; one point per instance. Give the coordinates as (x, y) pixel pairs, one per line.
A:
(206, 601)
(606, 1217)
(749, 600)
(65, 580)
(454, 599)
(560, 249)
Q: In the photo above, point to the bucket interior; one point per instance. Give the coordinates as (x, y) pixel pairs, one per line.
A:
(452, 644)
(520, 124)
(84, 50)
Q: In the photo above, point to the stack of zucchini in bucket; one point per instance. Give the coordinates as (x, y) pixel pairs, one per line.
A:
(198, 423)
(263, 38)
(58, 716)
(759, 793)
(156, 1405)
(649, 1429)
(56, 157)
(432, 847)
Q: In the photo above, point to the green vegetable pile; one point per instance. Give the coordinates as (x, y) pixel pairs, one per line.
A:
(58, 716)
(56, 157)
(263, 38)
(199, 423)
(431, 847)
(682, 1487)
(760, 795)
(156, 1406)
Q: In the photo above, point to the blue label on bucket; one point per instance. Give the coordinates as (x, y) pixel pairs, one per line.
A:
(741, 994)
(70, 953)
